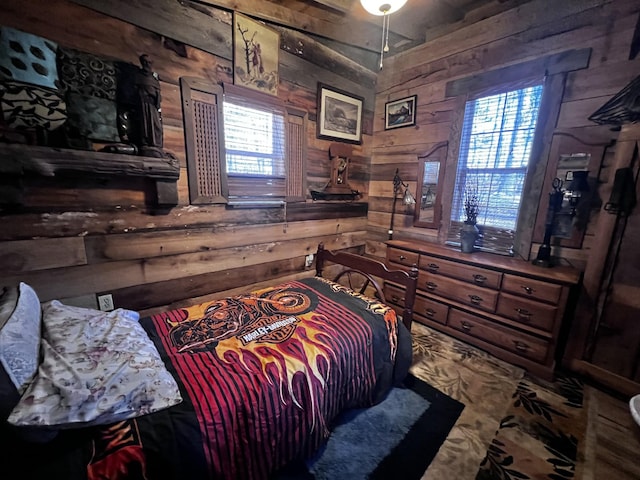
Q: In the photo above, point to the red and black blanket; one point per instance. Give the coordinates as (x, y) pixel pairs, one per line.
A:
(262, 377)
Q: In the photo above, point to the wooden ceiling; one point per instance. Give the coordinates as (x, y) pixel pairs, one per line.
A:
(342, 26)
(347, 27)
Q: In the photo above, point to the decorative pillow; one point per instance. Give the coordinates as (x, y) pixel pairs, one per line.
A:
(28, 58)
(19, 343)
(98, 368)
(26, 107)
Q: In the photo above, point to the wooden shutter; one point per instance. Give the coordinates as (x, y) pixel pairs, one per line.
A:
(204, 139)
(296, 155)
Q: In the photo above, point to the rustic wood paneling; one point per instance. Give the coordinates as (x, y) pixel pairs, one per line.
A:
(524, 35)
(128, 246)
(23, 256)
(101, 277)
(504, 40)
(138, 297)
(151, 255)
(203, 27)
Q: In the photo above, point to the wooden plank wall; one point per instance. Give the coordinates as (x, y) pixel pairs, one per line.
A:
(529, 31)
(77, 237)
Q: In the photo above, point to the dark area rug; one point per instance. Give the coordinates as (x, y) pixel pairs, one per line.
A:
(397, 438)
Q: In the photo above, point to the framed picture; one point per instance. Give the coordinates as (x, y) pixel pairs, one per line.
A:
(339, 115)
(255, 55)
(400, 113)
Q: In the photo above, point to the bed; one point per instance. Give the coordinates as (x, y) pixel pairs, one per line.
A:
(236, 388)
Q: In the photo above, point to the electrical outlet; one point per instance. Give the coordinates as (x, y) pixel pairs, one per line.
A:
(308, 260)
(105, 302)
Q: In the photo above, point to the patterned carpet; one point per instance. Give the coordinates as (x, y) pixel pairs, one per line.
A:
(513, 426)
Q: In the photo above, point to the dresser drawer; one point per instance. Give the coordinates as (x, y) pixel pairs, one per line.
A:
(468, 273)
(402, 257)
(394, 294)
(430, 309)
(529, 288)
(472, 295)
(528, 312)
(516, 342)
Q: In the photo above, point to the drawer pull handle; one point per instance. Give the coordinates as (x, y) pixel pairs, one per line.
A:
(521, 346)
(431, 286)
(479, 279)
(475, 299)
(524, 315)
(402, 257)
(529, 290)
(430, 312)
(397, 299)
(466, 326)
(433, 268)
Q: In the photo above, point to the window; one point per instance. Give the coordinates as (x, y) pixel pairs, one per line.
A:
(495, 146)
(254, 141)
(254, 138)
(263, 142)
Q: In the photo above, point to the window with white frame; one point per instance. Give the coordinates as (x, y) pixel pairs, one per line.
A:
(495, 146)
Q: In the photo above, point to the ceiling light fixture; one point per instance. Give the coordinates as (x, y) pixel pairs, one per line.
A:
(384, 8)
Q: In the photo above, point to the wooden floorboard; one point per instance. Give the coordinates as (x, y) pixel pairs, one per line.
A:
(617, 439)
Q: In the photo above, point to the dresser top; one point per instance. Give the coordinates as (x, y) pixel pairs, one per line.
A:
(561, 274)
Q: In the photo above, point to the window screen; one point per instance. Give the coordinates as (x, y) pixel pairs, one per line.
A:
(255, 149)
(495, 146)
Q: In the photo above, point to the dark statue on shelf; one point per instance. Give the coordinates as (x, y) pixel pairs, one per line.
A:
(139, 116)
(148, 113)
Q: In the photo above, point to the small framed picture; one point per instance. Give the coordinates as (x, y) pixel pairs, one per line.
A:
(400, 113)
(339, 115)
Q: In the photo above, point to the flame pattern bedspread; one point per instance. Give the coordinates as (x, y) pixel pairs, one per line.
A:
(262, 377)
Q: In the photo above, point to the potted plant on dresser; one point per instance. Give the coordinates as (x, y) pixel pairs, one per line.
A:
(469, 232)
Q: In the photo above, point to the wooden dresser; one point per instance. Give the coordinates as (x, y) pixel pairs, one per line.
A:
(504, 305)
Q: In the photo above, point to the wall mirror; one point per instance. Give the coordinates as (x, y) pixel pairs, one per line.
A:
(429, 194)
(570, 153)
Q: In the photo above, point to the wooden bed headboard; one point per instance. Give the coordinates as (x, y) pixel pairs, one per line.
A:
(374, 268)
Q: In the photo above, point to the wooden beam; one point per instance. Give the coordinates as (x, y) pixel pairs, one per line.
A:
(48, 162)
(366, 58)
(342, 28)
(567, 61)
(307, 48)
(340, 5)
(21, 160)
(188, 22)
(103, 277)
(23, 256)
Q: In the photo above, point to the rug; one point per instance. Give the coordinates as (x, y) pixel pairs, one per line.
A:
(542, 434)
(396, 438)
(513, 426)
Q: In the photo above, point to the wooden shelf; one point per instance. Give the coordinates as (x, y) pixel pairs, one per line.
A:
(20, 161)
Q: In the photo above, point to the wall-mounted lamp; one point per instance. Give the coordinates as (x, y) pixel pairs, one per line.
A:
(560, 200)
(384, 8)
(407, 198)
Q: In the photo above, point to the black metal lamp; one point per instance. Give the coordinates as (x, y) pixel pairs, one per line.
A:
(407, 198)
(559, 198)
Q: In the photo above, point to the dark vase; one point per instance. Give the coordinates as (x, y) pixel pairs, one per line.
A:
(468, 235)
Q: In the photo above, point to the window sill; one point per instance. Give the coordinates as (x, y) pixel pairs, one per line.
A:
(256, 203)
